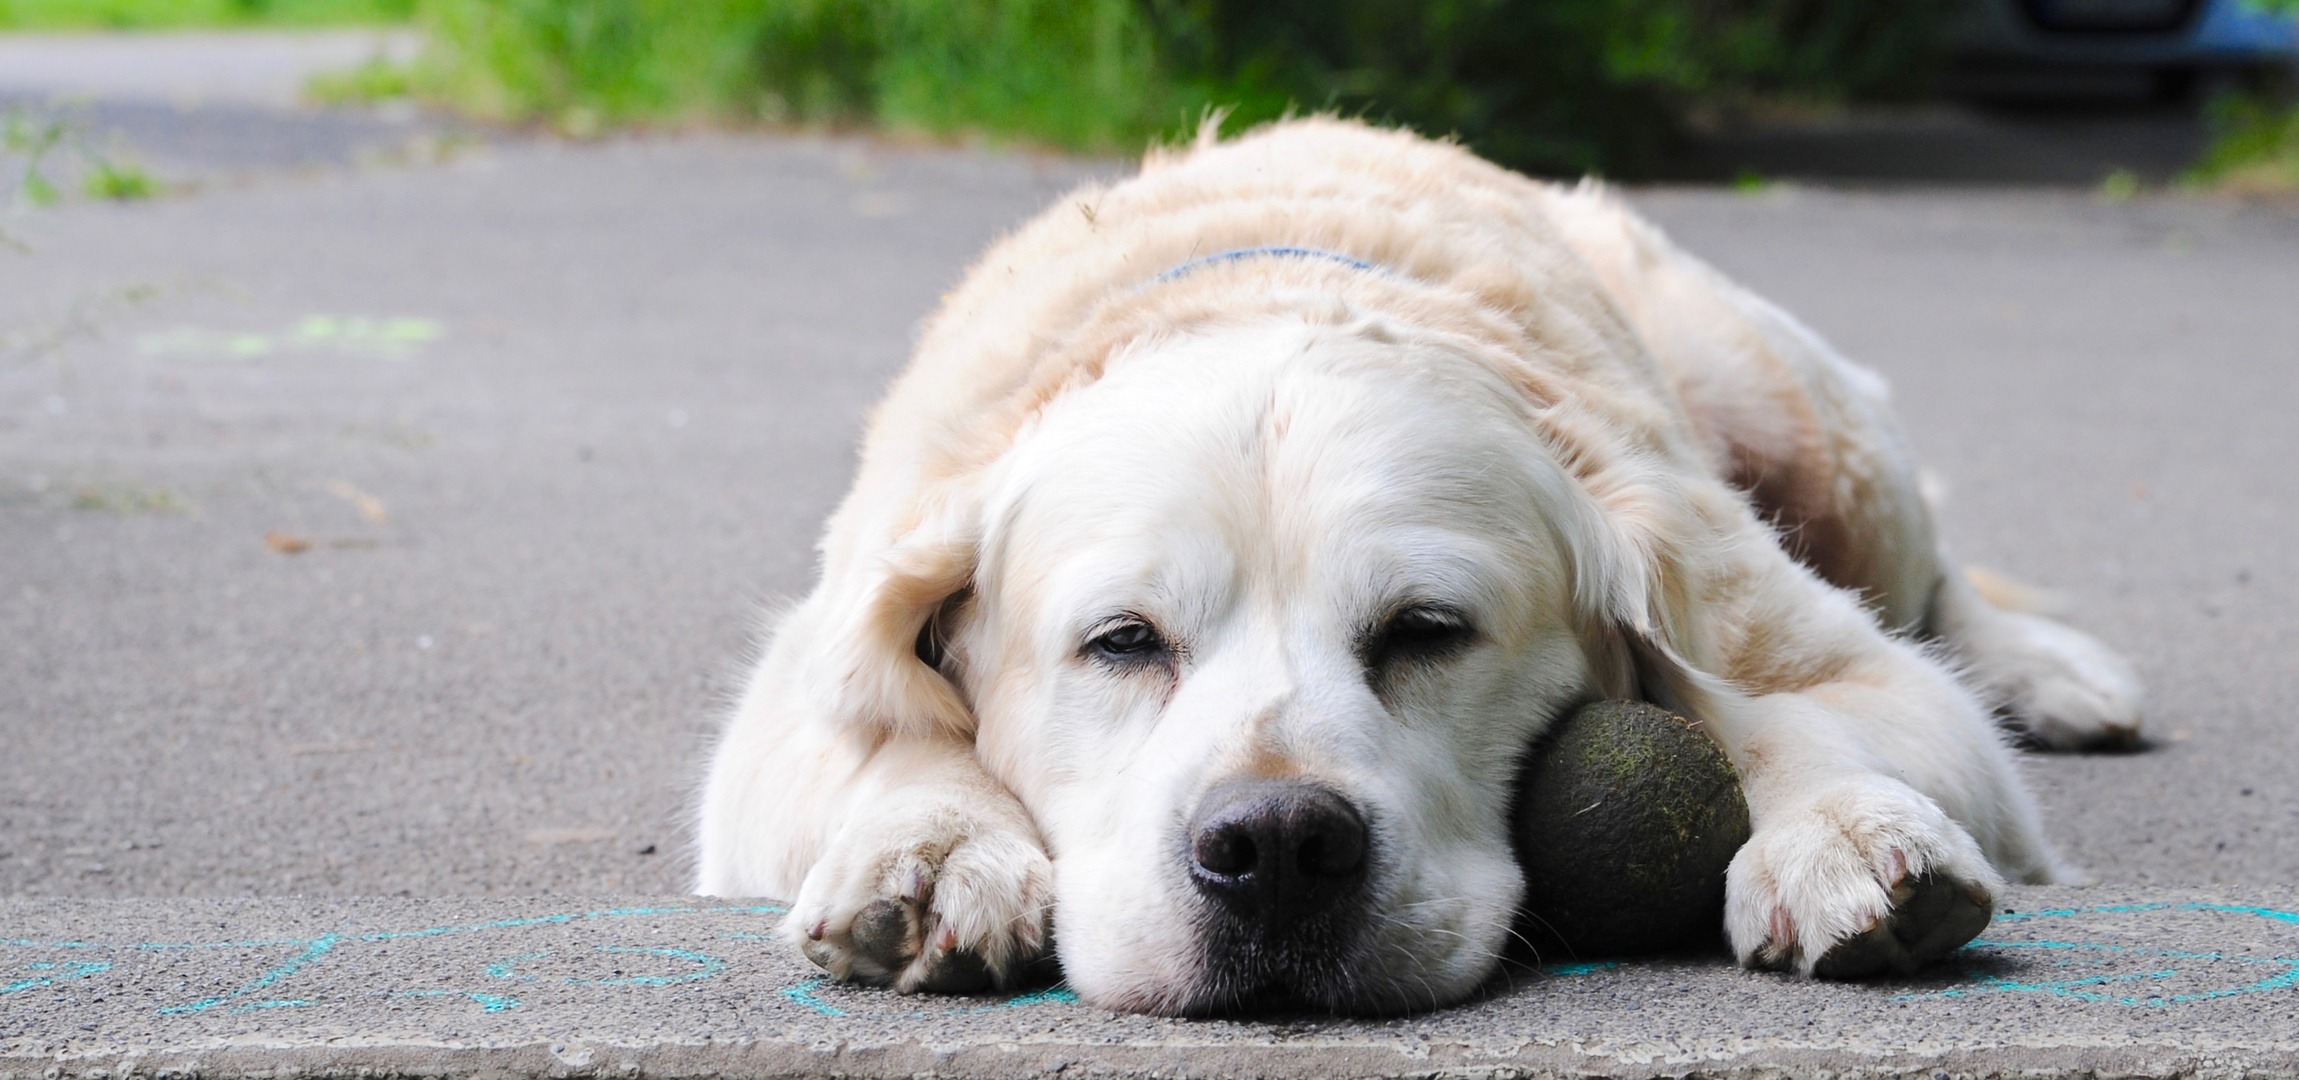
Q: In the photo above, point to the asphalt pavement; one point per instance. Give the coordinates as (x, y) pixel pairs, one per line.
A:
(398, 531)
(2092, 983)
(210, 109)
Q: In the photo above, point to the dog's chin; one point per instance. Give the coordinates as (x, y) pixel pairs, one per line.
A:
(1325, 966)
(1317, 963)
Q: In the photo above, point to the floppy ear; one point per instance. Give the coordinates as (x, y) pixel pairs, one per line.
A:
(1632, 569)
(853, 647)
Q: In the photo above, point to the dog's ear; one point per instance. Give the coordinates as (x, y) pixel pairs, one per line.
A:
(1632, 541)
(862, 646)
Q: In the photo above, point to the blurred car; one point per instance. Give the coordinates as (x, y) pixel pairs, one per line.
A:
(2168, 50)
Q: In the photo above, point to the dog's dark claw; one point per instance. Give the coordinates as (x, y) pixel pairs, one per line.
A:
(959, 972)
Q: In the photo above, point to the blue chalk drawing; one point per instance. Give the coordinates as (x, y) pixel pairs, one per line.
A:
(313, 950)
(1589, 968)
(489, 1002)
(708, 966)
(308, 952)
(2119, 974)
(1057, 994)
(633, 968)
(503, 969)
(66, 971)
(803, 993)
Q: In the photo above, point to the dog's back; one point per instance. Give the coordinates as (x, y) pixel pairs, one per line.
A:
(1591, 300)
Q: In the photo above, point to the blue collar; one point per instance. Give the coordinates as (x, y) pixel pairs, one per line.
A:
(1275, 252)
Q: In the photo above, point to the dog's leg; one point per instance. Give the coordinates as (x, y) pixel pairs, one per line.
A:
(937, 881)
(1886, 809)
(2059, 686)
(1853, 870)
(907, 864)
(1811, 438)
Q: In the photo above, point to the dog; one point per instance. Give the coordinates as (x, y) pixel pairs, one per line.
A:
(1237, 527)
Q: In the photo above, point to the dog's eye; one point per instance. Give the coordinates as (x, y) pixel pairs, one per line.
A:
(1127, 641)
(1423, 631)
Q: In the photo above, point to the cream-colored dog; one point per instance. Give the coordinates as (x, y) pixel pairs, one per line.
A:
(1238, 526)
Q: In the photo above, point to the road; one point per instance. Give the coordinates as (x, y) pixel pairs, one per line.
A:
(399, 531)
(2078, 982)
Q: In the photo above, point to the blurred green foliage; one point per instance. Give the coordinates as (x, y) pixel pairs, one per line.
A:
(1554, 85)
(32, 141)
(1550, 85)
(2256, 151)
(1559, 86)
(1074, 73)
(376, 80)
(174, 14)
(119, 181)
(26, 141)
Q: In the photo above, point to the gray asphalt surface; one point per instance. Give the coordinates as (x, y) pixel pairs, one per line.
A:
(210, 108)
(649, 365)
(191, 70)
(399, 531)
(2090, 982)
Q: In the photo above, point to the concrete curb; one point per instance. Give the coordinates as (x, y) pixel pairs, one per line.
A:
(2095, 982)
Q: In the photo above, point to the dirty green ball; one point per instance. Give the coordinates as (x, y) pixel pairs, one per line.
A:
(1626, 818)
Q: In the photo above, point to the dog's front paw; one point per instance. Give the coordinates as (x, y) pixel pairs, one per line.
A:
(926, 898)
(1868, 877)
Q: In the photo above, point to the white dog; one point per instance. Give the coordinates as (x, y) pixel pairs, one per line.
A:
(1238, 526)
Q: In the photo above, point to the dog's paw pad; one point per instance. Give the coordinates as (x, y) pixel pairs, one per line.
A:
(1931, 917)
(1866, 880)
(887, 932)
(940, 903)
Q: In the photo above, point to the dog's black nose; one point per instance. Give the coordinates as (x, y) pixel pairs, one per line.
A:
(1273, 851)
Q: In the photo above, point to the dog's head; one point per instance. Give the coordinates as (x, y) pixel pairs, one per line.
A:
(1258, 626)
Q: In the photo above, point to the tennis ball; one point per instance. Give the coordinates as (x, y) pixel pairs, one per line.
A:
(1626, 818)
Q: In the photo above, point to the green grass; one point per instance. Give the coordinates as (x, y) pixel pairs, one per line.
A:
(186, 14)
(1081, 74)
(119, 181)
(26, 142)
(2119, 185)
(376, 80)
(2256, 152)
(32, 142)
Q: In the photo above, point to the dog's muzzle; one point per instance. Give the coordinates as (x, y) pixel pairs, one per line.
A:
(1281, 867)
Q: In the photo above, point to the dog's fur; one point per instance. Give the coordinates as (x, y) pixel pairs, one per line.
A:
(1623, 473)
